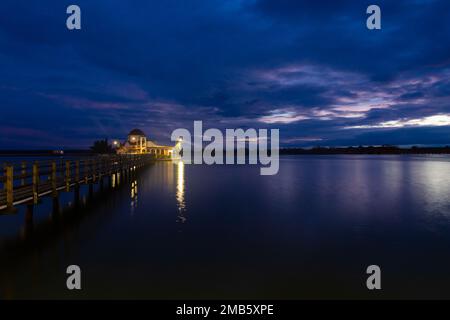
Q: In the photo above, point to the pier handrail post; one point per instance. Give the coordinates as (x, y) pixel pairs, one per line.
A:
(77, 171)
(86, 171)
(92, 177)
(23, 173)
(35, 182)
(9, 186)
(99, 169)
(94, 167)
(119, 165)
(68, 176)
(53, 179)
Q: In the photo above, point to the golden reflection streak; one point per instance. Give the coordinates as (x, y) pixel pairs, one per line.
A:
(134, 195)
(180, 192)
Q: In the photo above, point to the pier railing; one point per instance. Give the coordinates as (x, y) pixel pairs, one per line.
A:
(26, 182)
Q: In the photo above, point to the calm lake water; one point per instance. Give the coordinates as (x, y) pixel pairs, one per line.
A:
(197, 231)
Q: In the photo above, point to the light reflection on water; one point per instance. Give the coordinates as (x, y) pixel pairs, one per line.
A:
(180, 192)
(308, 232)
(134, 195)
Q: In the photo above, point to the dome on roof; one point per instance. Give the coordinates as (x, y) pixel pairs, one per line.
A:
(136, 132)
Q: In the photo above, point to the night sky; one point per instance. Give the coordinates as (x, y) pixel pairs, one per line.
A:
(310, 68)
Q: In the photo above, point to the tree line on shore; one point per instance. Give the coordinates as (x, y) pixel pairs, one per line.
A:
(103, 147)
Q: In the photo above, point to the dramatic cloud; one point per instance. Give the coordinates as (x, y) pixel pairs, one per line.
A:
(310, 68)
(431, 121)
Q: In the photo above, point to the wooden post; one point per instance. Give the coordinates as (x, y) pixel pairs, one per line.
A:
(67, 176)
(86, 171)
(99, 169)
(53, 180)
(77, 171)
(100, 181)
(92, 181)
(28, 230)
(91, 190)
(29, 214)
(55, 209)
(76, 195)
(76, 191)
(35, 183)
(93, 166)
(9, 187)
(23, 173)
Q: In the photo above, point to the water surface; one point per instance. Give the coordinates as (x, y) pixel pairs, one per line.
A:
(197, 231)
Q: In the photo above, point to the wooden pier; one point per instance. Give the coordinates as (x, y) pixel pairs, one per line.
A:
(26, 183)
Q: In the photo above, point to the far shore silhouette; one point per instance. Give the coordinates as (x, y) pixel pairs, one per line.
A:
(384, 149)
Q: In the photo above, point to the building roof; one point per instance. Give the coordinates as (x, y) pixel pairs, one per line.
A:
(151, 144)
(136, 132)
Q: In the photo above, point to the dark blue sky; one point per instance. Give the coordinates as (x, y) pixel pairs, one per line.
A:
(310, 68)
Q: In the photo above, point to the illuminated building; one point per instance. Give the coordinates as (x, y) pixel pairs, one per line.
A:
(137, 143)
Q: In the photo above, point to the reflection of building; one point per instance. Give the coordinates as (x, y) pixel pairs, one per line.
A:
(137, 143)
(180, 193)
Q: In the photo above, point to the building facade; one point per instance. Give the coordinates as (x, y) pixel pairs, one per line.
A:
(137, 143)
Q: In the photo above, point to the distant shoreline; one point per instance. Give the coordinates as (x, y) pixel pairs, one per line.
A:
(44, 153)
(365, 150)
(283, 151)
